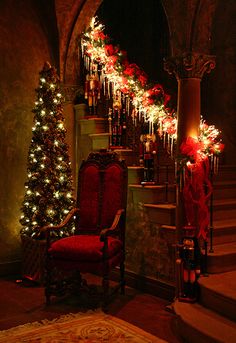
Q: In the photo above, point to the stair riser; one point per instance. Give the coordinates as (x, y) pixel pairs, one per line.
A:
(92, 126)
(224, 192)
(223, 213)
(149, 196)
(224, 236)
(225, 174)
(218, 303)
(221, 264)
(190, 334)
(161, 216)
(135, 176)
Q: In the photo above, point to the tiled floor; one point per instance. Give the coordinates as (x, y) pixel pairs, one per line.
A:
(22, 302)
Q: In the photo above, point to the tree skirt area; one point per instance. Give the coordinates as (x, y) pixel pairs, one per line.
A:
(82, 327)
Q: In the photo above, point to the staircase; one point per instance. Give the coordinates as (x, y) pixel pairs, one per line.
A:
(213, 318)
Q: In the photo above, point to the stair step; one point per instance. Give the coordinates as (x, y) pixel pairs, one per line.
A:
(131, 157)
(135, 174)
(151, 194)
(224, 231)
(92, 126)
(224, 189)
(99, 141)
(225, 208)
(226, 173)
(161, 213)
(196, 324)
(218, 293)
(166, 173)
(223, 258)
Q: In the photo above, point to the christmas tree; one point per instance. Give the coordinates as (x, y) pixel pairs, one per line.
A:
(48, 189)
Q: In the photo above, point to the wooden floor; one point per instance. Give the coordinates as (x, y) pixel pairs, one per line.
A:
(23, 302)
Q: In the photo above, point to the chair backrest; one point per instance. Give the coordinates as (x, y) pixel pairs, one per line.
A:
(102, 190)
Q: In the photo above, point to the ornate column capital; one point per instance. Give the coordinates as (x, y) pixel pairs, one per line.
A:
(71, 91)
(189, 65)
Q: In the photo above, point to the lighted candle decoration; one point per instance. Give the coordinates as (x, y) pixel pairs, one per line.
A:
(149, 102)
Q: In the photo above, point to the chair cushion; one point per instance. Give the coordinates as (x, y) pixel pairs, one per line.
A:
(87, 248)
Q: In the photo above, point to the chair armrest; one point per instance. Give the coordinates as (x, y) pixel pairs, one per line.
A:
(105, 232)
(48, 228)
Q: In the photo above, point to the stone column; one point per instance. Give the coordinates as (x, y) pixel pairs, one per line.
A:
(70, 92)
(188, 70)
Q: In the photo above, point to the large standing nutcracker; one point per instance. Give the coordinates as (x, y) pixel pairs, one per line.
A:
(92, 91)
(148, 150)
(188, 265)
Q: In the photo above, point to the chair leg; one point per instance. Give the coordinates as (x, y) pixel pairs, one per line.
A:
(122, 278)
(48, 280)
(105, 297)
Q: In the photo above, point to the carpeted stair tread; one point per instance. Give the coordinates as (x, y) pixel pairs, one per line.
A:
(203, 325)
(224, 183)
(223, 258)
(222, 202)
(224, 249)
(222, 283)
(147, 186)
(223, 223)
(161, 206)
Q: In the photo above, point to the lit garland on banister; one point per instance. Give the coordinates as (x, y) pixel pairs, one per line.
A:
(120, 78)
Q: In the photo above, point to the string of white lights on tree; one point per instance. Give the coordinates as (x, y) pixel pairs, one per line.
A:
(48, 189)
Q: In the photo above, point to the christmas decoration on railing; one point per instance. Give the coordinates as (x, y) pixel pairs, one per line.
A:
(127, 85)
(48, 189)
(123, 82)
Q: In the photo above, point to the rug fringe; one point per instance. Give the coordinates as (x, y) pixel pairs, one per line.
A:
(61, 319)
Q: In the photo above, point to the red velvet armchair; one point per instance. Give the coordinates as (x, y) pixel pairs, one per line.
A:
(98, 244)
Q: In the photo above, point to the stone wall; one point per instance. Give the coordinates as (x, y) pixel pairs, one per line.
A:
(24, 49)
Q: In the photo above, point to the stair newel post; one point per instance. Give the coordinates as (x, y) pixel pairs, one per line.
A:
(188, 70)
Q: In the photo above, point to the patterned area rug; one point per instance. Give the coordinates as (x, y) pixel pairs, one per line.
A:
(83, 328)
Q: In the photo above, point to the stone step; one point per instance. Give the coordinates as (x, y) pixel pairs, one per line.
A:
(225, 173)
(197, 324)
(222, 259)
(218, 293)
(135, 174)
(166, 173)
(225, 208)
(131, 158)
(99, 141)
(222, 209)
(224, 190)
(224, 231)
(151, 194)
(92, 125)
(162, 214)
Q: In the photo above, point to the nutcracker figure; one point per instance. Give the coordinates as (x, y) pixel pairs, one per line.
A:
(148, 150)
(188, 265)
(92, 92)
(118, 122)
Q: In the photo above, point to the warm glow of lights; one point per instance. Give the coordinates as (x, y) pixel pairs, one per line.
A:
(93, 45)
